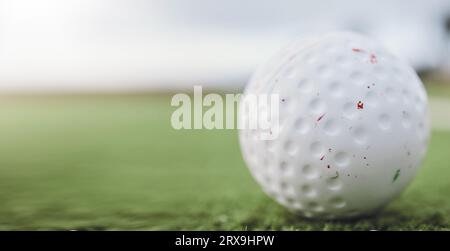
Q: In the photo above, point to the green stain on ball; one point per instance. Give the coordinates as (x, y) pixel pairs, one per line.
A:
(396, 175)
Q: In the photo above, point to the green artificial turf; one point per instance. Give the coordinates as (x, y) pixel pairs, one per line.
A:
(114, 162)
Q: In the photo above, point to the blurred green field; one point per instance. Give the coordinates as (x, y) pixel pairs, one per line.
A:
(113, 162)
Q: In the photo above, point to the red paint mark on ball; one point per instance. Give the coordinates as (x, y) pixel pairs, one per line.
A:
(360, 105)
(320, 117)
(373, 58)
(357, 50)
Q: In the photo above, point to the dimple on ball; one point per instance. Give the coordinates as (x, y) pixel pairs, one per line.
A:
(353, 126)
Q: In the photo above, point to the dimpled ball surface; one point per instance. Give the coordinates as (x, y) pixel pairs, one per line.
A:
(353, 126)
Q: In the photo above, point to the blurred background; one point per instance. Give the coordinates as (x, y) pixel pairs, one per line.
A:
(85, 89)
(50, 45)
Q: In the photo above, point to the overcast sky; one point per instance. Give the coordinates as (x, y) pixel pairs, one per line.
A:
(123, 44)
